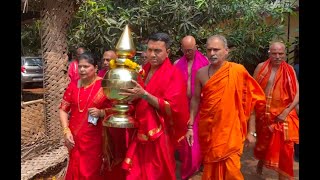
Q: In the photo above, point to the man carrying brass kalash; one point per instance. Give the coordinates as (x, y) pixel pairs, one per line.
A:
(160, 117)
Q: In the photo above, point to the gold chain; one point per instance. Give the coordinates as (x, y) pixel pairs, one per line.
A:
(81, 110)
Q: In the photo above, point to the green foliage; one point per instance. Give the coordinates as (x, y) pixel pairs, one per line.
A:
(30, 39)
(249, 25)
(93, 27)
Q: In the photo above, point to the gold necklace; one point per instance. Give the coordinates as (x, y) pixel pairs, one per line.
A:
(81, 110)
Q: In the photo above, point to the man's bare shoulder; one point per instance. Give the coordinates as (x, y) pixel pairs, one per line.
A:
(260, 65)
(203, 70)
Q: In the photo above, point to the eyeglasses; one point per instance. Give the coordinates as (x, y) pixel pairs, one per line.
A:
(187, 50)
(143, 57)
(105, 59)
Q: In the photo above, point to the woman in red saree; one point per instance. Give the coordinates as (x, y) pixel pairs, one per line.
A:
(82, 138)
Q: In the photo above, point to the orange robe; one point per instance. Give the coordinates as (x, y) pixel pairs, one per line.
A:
(227, 100)
(276, 149)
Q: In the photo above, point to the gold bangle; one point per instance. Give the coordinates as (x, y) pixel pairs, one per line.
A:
(66, 130)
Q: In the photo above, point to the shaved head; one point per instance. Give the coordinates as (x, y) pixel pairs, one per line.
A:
(188, 47)
(277, 44)
(110, 53)
(277, 53)
(107, 56)
(188, 41)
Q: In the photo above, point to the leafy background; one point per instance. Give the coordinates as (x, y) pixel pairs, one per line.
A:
(249, 25)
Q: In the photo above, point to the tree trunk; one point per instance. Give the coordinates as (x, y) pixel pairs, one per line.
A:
(56, 16)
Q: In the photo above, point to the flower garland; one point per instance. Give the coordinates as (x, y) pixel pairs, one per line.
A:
(130, 64)
(112, 64)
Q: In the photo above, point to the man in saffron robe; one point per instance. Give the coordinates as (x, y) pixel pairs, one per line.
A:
(226, 94)
(161, 113)
(73, 67)
(277, 126)
(189, 63)
(107, 56)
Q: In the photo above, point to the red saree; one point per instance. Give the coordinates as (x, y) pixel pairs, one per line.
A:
(227, 100)
(276, 149)
(119, 140)
(86, 156)
(151, 155)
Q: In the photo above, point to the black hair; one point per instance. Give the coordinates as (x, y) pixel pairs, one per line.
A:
(89, 58)
(161, 37)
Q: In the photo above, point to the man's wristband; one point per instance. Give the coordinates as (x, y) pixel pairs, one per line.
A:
(145, 95)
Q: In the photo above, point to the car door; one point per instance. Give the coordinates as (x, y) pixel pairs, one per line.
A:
(34, 66)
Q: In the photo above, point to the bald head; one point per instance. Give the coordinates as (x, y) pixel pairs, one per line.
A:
(107, 56)
(277, 44)
(188, 47)
(188, 41)
(277, 53)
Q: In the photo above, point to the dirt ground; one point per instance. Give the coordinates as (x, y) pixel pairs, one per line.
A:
(32, 93)
(248, 163)
(248, 168)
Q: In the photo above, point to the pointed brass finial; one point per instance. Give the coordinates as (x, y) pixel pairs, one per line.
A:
(125, 47)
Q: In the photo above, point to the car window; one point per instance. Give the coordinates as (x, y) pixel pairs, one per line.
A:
(33, 61)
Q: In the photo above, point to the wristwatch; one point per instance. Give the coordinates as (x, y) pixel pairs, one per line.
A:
(253, 134)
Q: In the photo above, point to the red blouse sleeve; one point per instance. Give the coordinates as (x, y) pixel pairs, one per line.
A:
(67, 96)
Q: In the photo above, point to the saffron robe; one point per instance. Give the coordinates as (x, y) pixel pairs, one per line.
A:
(276, 149)
(151, 154)
(228, 98)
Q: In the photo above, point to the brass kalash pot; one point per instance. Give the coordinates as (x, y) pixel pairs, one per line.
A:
(120, 77)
